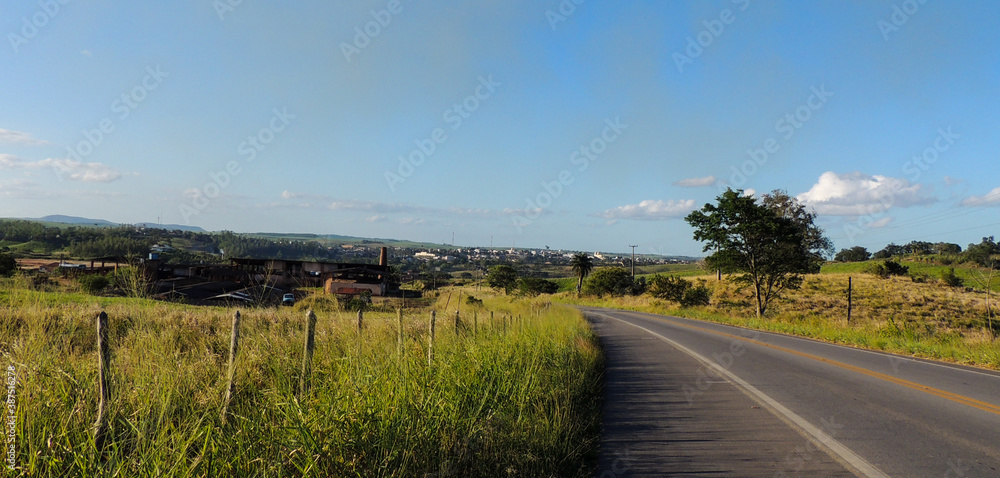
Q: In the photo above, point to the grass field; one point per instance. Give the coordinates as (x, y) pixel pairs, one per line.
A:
(897, 314)
(507, 397)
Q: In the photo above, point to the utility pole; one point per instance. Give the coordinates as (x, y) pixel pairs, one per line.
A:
(633, 260)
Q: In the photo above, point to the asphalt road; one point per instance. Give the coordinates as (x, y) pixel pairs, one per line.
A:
(691, 398)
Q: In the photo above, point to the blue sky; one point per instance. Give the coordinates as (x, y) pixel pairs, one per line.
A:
(585, 127)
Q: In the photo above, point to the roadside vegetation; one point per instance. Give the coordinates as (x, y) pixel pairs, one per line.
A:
(513, 388)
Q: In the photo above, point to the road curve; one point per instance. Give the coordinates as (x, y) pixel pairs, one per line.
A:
(692, 398)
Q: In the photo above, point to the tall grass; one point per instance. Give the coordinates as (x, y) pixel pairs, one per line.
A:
(520, 400)
(896, 314)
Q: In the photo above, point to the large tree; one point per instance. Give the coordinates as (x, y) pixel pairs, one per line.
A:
(770, 243)
(582, 265)
(502, 277)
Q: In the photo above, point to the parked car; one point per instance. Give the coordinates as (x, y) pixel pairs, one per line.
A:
(288, 299)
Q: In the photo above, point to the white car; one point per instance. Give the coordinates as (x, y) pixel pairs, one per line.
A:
(288, 299)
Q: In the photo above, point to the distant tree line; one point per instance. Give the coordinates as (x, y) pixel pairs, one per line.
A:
(129, 241)
(981, 253)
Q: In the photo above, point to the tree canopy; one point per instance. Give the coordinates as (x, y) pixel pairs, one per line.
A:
(502, 277)
(769, 243)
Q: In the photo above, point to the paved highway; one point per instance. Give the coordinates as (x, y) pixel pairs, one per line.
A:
(691, 398)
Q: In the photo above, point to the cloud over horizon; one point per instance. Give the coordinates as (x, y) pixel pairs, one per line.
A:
(858, 194)
(651, 210)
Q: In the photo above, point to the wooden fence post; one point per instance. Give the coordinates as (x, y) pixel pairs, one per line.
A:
(103, 363)
(430, 343)
(458, 323)
(307, 353)
(399, 332)
(475, 323)
(234, 344)
(361, 319)
(849, 293)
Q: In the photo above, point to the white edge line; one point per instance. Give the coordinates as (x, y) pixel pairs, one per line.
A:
(844, 453)
(955, 367)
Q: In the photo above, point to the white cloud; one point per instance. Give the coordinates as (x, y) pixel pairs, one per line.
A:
(650, 210)
(19, 138)
(858, 194)
(696, 182)
(950, 181)
(86, 172)
(68, 168)
(991, 198)
(377, 218)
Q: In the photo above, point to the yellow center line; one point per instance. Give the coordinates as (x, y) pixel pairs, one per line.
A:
(981, 405)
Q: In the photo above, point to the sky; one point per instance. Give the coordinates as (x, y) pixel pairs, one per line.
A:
(579, 125)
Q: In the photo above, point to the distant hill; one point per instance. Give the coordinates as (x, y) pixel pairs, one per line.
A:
(73, 220)
(85, 221)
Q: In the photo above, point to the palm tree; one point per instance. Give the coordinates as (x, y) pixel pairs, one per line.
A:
(582, 265)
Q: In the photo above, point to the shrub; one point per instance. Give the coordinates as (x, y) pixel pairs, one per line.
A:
(888, 268)
(950, 279)
(668, 287)
(695, 296)
(535, 286)
(613, 281)
(471, 300)
(93, 283)
(7, 265)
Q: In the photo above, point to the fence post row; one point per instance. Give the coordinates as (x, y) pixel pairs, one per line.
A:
(309, 345)
(233, 348)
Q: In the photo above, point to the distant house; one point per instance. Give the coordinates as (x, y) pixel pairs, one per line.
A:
(427, 256)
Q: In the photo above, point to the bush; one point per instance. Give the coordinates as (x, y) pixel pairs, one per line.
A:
(613, 281)
(888, 268)
(695, 296)
(7, 265)
(93, 283)
(950, 279)
(668, 287)
(535, 286)
(471, 300)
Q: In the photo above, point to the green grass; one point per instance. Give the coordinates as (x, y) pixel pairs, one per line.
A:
(967, 272)
(897, 315)
(520, 397)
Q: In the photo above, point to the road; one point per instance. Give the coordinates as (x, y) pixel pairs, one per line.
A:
(691, 398)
